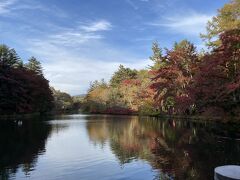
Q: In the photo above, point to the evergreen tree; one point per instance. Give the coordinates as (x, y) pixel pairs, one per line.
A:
(8, 57)
(34, 65)
(157, 57)
(121, 74)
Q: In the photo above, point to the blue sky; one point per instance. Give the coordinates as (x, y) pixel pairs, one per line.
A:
(79, 41)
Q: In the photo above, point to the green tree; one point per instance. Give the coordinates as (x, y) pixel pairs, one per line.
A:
(157, 57)
(62, 100)
(186, 55)
(8, 57)
(34, 65)
(121, 74)
(226, 19)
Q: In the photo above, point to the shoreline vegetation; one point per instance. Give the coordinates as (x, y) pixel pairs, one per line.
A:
(181, 82)
(219, 119)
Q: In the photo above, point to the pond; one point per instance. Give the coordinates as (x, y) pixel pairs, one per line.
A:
(115, 147)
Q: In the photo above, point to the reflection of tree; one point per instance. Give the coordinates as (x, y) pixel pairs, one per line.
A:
(20, 144)
(102, 133)
(180, 149)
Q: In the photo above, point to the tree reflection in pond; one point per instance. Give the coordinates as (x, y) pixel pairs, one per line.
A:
(175, 149)
(21, 142)
(179, 149)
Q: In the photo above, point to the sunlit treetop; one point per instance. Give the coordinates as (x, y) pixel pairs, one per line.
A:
(228, 18)
(34, 65)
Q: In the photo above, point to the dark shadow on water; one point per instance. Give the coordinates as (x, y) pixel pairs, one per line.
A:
(20, 144)
(22, 141)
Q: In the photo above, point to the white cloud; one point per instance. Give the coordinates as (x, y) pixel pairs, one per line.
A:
(190, 24)
(102, 25)
(72, 58)
(73, 75)
(71, 72)
(5, 5)
(13, 7)
(73, 37)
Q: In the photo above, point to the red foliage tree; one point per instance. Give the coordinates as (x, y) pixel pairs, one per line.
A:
(171, 81)
(22, 90)
(217, 82)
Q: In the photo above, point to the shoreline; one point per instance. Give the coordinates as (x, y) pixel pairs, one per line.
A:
(219, 119)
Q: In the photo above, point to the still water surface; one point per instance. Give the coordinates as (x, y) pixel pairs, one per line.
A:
(115, 147)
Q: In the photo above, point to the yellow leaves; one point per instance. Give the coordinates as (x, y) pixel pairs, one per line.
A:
(100, 94)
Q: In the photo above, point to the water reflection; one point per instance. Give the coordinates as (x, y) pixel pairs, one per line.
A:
(86, 147)
(20, 143)
(179, 149)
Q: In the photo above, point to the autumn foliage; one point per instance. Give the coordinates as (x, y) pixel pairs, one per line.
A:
(207, 85)
(171, 81)
(181, 81)
(217, 81)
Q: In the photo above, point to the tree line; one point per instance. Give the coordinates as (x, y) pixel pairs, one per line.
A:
(181, 79)
(25, 90)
